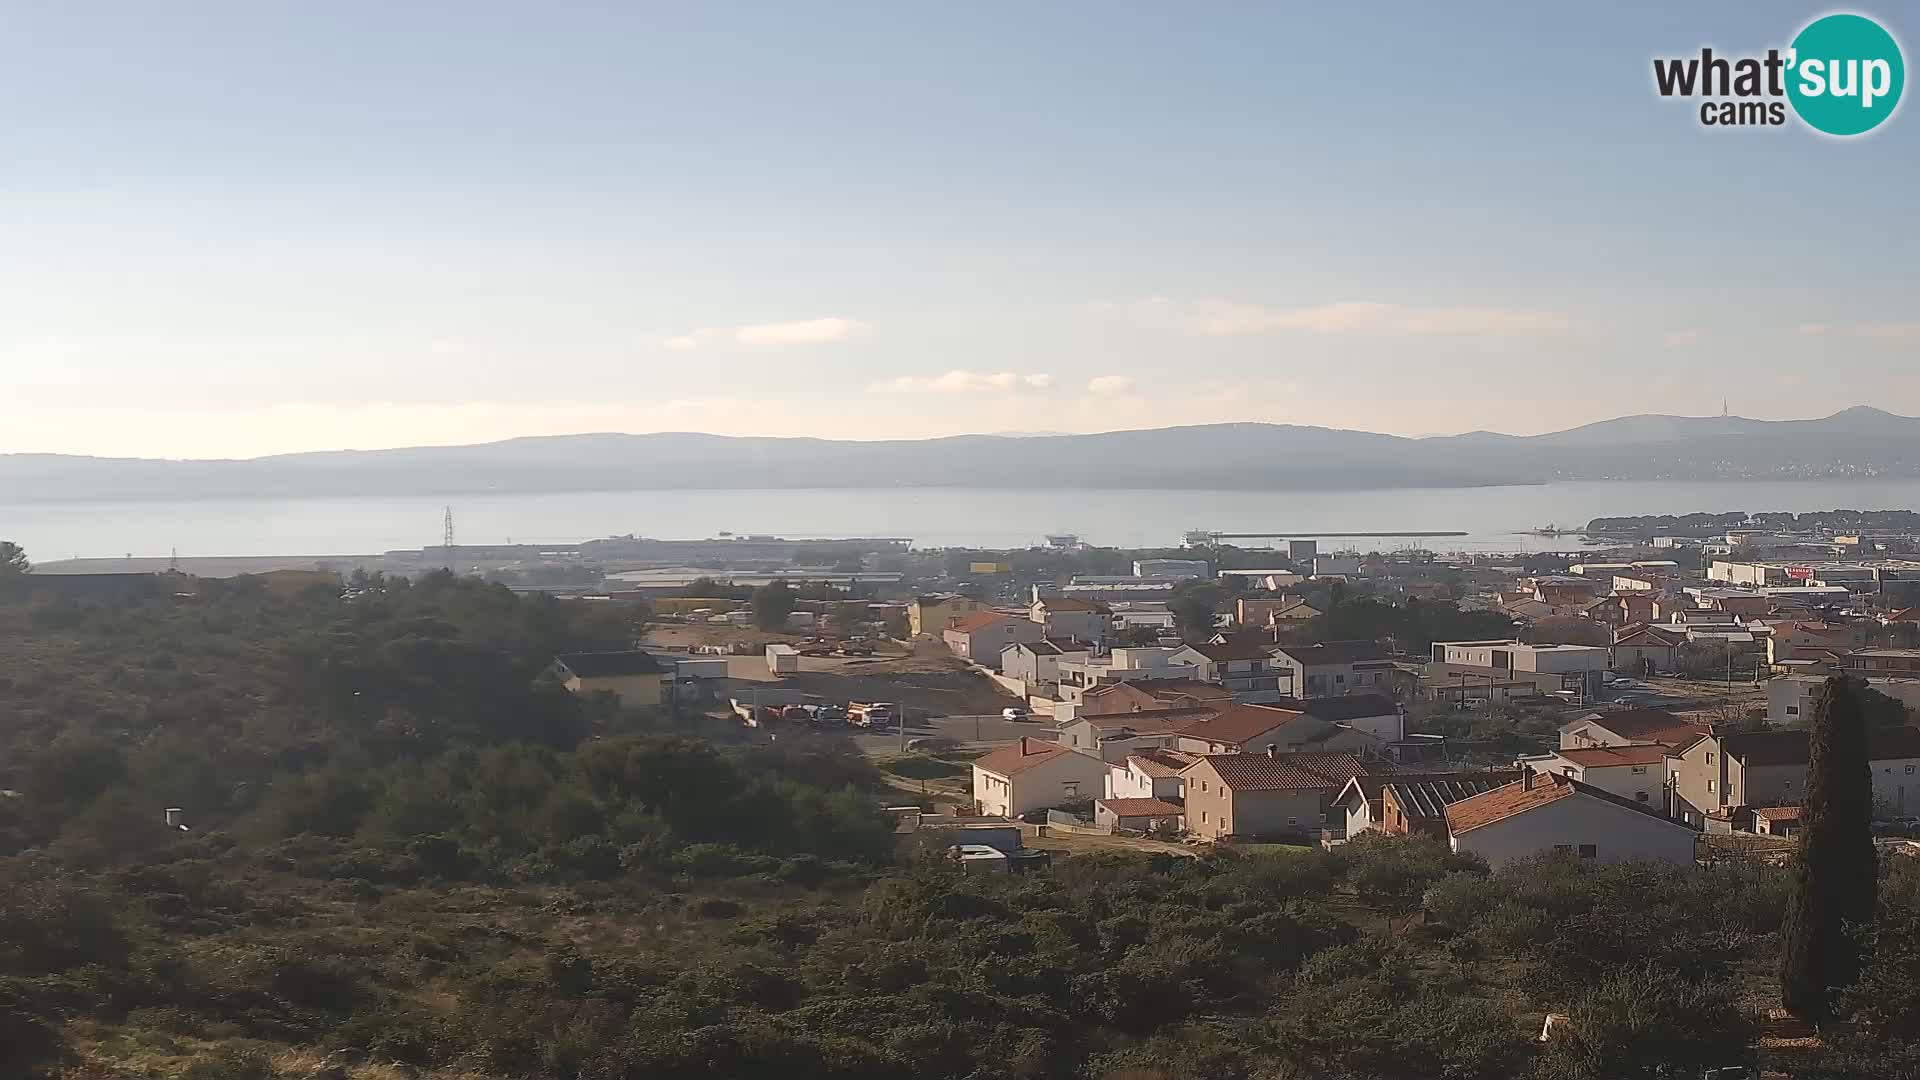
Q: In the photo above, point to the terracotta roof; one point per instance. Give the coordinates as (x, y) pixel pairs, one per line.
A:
(1659, 635)
(1600, 757)
(1067, 603)
(1283, 772)
(1534, 790)
(1161, 763)
(1336, 652)
(1038, 648)
(1337, 709)
(1647, 726)
(1018, 757)
(1429, 797)
(1236, 724)
(979, 620)
(1776, 813)
(1905, 614)
(1233, 650)
(597, 665)
(1171, 689)
(1141, 807)
(1149, 721)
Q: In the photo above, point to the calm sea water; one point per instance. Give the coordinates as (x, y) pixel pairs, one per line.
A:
(1494, 516)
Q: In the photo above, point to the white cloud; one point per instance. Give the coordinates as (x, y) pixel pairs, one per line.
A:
(802, 332)
(1110, 384)
(1895, 332)
(1678, 338)
(1213, 317)
(966, 382)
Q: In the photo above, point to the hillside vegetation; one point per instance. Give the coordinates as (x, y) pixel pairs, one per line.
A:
(411, 853)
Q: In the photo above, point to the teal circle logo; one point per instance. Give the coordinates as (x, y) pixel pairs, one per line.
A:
(1845, 74)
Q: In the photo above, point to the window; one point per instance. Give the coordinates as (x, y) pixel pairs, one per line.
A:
(1640, 796)
(1292, 822)
(1203, 817)
(1072, 789)
(1639, 770)
(1589, 851)
(1709, 757)
(1563, 847)
(1710, 785)
(1793, 710)
(1909, 770)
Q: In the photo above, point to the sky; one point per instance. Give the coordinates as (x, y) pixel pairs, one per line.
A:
(231, 228)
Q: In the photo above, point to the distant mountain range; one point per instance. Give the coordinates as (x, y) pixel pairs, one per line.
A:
(1856, 442)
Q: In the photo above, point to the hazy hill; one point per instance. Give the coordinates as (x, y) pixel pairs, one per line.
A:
(1859, 441)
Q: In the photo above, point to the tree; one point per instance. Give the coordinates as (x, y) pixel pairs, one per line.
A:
(772, 603)
(13, 560)
(1835, 877)
(1194, 607)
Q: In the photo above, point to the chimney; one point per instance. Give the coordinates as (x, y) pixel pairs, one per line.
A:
(1526, 777)
(1023, 746)
(1273, 750)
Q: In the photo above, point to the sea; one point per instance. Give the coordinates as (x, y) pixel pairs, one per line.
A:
(1494, 519)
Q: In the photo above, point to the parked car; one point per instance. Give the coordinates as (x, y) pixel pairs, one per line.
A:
(1015, 712)
(933, 744)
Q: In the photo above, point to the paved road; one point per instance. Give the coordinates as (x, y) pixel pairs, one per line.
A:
(987, 729)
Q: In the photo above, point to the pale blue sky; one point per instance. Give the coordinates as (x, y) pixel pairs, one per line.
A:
(230, 228)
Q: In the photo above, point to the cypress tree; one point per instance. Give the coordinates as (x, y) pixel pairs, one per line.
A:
(1835, 877)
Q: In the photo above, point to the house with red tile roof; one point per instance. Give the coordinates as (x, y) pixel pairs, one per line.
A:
(1244, 666)
(1630, 726)
(1139, 815)
(1270, 794)
(1776, 820)
(1644, 649)
(1072, 617)
(982, 635)
(1150, 695)
(1733, 770)
(1033, 774)
(1112, 736)
(1399, 804)
(1633, 771)
(1541, 813)
(1147, 774)
(1245, 729)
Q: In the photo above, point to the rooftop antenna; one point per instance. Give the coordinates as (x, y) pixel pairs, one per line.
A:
(173, 562)
(1723, 408)
(446, 538)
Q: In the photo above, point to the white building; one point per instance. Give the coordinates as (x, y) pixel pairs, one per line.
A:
(1147, 774)
(1637, 772)
(1577, 665)
(1033, 775)
(1545, 813)
(1173, 569)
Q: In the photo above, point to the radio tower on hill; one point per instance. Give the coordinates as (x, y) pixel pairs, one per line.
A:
(446, 539)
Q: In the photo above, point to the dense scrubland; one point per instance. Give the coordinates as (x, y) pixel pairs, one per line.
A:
(410, 852)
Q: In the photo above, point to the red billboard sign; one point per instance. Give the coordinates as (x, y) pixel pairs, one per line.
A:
(1800, 573)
